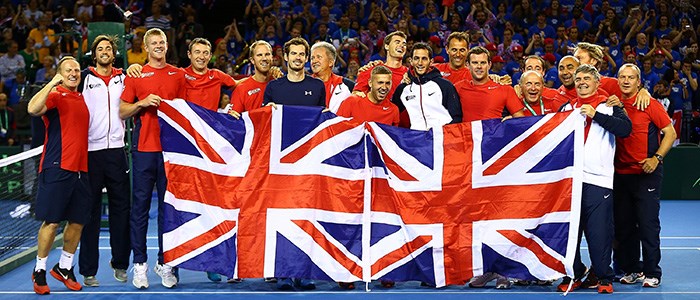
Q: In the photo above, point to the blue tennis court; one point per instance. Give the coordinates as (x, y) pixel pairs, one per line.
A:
(680, 241)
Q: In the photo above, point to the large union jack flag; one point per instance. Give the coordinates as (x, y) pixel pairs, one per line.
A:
(296, 192)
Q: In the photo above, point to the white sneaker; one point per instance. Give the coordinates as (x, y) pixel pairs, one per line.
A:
(166, 274)
(140, 280)
(651, 282)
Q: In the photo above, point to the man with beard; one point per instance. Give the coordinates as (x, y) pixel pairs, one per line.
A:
(296, 88)
(248, 95)
(395, 46)
(376, 107)
(338, 88)
(481, 97)
(603, 124)
(63, 193)
(102, 86)
(429, 100)
(140, 99)
(637, 184)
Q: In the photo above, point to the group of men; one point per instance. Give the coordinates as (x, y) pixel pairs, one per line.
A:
(423, 96)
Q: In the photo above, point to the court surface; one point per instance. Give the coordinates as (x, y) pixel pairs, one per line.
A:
(680, 242)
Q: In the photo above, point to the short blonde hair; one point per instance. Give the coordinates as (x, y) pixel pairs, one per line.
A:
(154, 31)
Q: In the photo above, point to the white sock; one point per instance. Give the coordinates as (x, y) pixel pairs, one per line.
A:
(66, 261)
(40, 263)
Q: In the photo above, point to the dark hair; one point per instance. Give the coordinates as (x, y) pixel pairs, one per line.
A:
(297, 41)
(478, 50)
(424, 46)
(102, 37)
(388, 37)
(202, 41)
(458, 35)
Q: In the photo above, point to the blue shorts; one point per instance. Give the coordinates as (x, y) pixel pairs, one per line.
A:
(63, 195)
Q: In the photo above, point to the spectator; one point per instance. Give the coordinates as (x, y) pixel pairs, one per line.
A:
(480, 18)
(660, 66)
(642, 47)
(187, 31)
(32, 12)
(11, 62)
(541, 27)
(48, 62)
(344, 33)
(371, 38)
(31, 59)
(43, 36)
(17, 88)
(20, 28)
(136, 55)
(7, 123)
(649, 77)
(497, 66)
(673, 57)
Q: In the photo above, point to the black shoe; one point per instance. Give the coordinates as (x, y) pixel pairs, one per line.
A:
(40, 286)
(67, 277)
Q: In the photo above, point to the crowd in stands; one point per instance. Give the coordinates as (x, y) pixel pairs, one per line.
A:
(661, 37)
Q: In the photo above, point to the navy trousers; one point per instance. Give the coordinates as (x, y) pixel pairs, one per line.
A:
(148, 170)
(108, 169)
(637, 220)
(597, 225)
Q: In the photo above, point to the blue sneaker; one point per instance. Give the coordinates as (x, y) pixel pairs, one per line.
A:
(306, 284)
(285, 284)
(213, 276)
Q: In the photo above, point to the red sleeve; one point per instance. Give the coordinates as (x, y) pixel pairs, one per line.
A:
(129, 93)
(610, 86)
(513, 103)
(51, 100)
(226, 80)
(362, 82)
(345, 109)
(657, 114)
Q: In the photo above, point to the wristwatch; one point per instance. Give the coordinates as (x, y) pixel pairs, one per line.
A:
(659, 157)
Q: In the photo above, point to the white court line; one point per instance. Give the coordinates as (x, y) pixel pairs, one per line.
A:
(433, 292)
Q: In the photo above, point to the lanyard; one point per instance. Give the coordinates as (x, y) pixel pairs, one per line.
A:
(532, 110)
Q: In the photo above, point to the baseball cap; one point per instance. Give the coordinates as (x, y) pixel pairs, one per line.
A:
(630, 52)
(491, 47)
(658, 52)
(517, 48)
(434, 39)
(497, 59)
(549, 41)
(549, 57)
